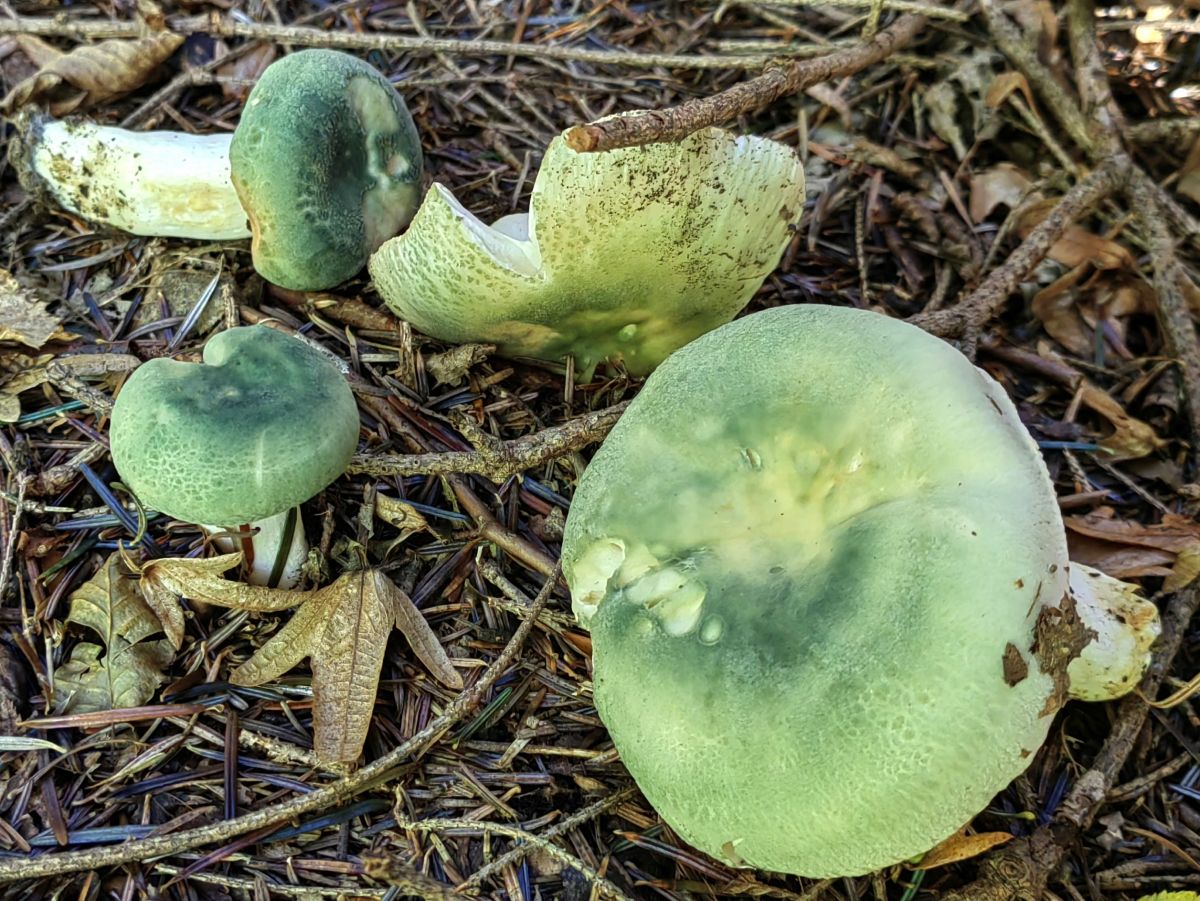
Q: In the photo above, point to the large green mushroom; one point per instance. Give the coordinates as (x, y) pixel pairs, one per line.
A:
(239, 442)
(327, 162)
(828, 590)
(623, 256)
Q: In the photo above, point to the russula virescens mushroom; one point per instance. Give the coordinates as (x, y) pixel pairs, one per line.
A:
(826, 580)
(163, 183)
(623, 255)
(263, 425)
(327, 162)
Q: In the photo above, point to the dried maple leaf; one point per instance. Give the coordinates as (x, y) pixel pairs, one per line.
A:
(130, 670)
(343, 629)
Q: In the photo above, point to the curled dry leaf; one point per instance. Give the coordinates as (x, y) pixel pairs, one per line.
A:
(109, 604)
(93, 73)
(1077, 245)
(342, 629)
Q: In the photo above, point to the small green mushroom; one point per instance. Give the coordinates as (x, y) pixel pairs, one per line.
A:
(262, 426)
(624, 255)
(826, 580)
(327, 162)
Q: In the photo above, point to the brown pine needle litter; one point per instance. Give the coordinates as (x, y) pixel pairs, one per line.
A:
(1020, 178)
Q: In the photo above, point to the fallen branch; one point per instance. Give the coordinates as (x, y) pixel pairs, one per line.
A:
(497, 460)
(779, 80)
(303, 36)
(369, 777)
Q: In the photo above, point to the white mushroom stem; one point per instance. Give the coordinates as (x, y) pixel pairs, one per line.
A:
(160, 183)
(262, 549)
(1126, 625)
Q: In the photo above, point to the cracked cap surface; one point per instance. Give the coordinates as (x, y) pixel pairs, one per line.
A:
(264, 424)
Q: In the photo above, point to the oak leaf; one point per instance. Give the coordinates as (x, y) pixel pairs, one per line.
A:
(342, 629)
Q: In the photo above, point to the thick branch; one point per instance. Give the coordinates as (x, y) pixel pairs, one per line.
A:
(779, 80)
(505, 458)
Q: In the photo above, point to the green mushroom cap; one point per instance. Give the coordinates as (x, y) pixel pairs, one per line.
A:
(814, 556)
(262, 426)
(327, 163)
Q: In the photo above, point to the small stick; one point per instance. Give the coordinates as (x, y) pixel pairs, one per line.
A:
(778, 80)
(505, 458)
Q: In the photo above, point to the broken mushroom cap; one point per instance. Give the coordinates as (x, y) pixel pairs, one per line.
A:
(327, 162)
(825, 575)
(262, 426)
(624, 255)
(161, 183)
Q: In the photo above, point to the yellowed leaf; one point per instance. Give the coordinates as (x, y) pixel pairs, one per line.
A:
(40, 52)
(96, 72)
(1131, 438)
(342, 629)
(110, 605)
(1003, 87)
(1185, 570)
(400, 514)
(23, 318)
(960, 846)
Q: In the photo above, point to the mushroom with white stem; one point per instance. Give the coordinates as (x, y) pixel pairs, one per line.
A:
(624, 255)
(239, 442)
(826, 580)
(155, 183)
(324, 166)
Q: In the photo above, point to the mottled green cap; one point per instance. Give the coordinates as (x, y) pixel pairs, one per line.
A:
(327, 163)
(813, 554)
(262, 426)
(625, 255)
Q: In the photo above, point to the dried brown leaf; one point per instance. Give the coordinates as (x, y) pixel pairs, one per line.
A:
(95, 72)
(110, 605)
(1002, 185)
(1185, 570)
(451, 367)
(959, 847)
(1004, 86)
(246, 68)
(23, 318)
(1055, 308)
(1077, 245)
(1189, 174)
(343, 629)
(1175, 540)
(400, 514)
(39, 52)
(125, 677)
(1131, 437)
(200, 579)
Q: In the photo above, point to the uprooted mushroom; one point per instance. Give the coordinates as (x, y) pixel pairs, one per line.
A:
(325, 164)
(827, 582)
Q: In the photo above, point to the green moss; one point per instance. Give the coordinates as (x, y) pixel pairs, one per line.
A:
(803, 553)
(327, 162)
(264, 425)
(629, 255)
